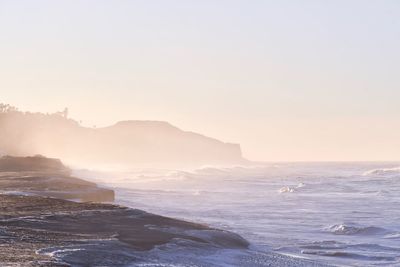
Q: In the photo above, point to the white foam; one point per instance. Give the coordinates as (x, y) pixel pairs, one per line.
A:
(280, 207)
(286, 189)
(383, 171)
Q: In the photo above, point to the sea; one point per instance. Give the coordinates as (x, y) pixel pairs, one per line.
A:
(298, 214)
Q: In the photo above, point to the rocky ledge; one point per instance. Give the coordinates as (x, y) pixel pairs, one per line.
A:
(47, 177)
(40, 230)
(31, 225)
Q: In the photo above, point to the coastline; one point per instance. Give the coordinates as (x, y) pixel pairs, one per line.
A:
(41, 226)
(36, 214)
(33, 224)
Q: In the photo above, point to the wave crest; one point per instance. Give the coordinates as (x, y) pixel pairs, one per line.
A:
(342, 229)
(383, 171)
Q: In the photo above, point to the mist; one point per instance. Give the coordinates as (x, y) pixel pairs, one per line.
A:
(125, 144)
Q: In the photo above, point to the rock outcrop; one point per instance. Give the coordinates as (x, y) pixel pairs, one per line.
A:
(33, 229)
(47, 177)
(40, 227)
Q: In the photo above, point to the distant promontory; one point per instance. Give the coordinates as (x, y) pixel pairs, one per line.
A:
(129, 143)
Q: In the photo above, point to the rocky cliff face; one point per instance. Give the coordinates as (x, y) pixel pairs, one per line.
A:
(131, 143)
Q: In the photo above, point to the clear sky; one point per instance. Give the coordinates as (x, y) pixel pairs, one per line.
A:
(288, 80)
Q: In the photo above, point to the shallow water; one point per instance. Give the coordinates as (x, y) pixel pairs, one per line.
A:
(335, 213)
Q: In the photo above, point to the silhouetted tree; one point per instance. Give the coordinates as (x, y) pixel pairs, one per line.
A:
(6, 108)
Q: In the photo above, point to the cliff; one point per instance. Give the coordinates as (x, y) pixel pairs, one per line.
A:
(151, 143)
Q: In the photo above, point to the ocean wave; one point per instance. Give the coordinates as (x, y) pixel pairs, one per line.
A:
(54, 252)
(321, 245)
(374, 247)
(300, 185)
(383, 171)
(286, 189)
(162, 177)
(342, 229)
(297, 198)
(394, 235)
(237, 171)
(342, 254)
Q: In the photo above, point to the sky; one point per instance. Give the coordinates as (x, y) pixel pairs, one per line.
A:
(297, 80)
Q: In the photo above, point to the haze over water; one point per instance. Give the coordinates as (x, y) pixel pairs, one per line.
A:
(170, 86)
(344, 214)
(288, 80)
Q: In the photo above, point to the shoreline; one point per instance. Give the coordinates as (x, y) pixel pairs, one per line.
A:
(41, 226)
(32, 223)
(41, 216)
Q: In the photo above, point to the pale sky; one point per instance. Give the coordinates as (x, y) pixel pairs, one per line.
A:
(288, 80)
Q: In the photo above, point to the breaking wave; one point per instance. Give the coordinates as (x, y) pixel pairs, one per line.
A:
(350, 255)
(343, 229)
(383, 171)
(339, 213)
